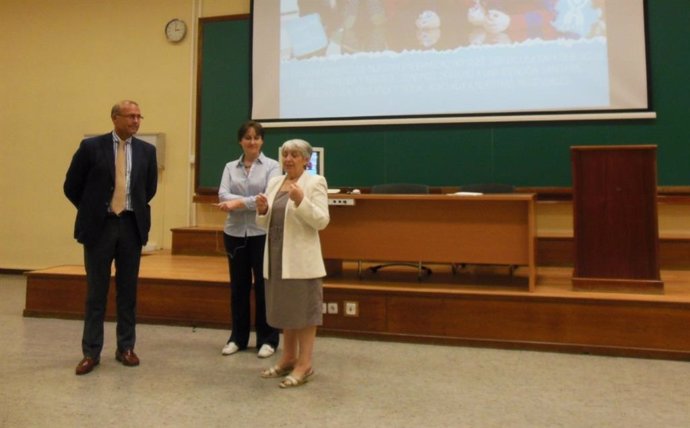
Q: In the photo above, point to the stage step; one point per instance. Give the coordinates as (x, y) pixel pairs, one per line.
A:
(471, 308)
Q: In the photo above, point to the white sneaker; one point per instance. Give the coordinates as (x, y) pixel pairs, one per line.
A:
(230, 348)
(266, 351)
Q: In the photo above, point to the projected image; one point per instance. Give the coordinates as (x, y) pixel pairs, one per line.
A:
(334, 27)
(351, 26)
(396, 58)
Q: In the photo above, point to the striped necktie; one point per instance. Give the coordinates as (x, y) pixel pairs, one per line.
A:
(118, 202)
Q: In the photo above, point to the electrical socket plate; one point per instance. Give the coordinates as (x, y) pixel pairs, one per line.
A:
(341, 202)
(351, 309)
(333, 308)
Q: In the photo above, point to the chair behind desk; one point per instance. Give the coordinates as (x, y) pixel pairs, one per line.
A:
(399, 189)
(488, 188)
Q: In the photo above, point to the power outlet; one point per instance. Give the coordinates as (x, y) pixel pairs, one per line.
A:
(333, 308)
(351, 309)
(324, 308)
(341, 202)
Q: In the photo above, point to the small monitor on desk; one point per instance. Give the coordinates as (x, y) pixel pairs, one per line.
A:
(315, 165)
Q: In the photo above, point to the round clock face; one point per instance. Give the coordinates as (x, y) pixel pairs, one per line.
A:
(175, 30)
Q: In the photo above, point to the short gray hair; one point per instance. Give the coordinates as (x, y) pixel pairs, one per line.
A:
(297, 145)
(117, 107)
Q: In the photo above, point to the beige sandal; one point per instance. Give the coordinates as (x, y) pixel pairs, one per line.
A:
(275, 371)
(292, 381)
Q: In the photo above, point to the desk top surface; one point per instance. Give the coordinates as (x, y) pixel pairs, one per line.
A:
(436, 197)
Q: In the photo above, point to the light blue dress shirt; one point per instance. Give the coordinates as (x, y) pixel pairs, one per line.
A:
(238, 183)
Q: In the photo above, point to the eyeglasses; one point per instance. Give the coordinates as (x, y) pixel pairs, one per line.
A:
(132, 116)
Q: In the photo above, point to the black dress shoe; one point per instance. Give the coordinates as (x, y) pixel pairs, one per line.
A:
(86, 365)
(127, 357)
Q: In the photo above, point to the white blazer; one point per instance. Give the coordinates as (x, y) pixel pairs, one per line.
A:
(302, 256)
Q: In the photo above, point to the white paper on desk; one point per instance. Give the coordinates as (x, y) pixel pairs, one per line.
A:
(467, 193)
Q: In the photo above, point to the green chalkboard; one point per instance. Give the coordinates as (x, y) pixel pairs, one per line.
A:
(530, 154)
(223, 95)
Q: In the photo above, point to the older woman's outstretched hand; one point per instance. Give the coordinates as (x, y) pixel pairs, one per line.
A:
(261, 204)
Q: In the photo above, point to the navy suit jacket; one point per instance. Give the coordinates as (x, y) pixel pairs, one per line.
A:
(90, 183)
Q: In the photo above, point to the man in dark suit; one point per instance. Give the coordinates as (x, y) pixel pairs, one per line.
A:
(111, 180)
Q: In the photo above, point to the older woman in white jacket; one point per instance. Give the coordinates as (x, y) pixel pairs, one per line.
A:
(293, 210)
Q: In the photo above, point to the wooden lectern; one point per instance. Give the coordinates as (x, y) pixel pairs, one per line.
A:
(615, 219)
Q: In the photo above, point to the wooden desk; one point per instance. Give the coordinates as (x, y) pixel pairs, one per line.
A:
(486, 229)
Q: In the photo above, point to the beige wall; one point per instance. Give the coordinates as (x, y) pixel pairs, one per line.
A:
(63, 64)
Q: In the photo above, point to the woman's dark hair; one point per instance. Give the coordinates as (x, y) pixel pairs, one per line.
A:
(246, 126)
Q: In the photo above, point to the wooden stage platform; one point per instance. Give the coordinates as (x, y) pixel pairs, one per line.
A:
(479, 306)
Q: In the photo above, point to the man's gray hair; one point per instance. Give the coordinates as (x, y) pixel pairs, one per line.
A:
(117, 107)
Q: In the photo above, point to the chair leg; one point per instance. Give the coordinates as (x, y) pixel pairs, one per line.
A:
(455, 267)
(421, 268)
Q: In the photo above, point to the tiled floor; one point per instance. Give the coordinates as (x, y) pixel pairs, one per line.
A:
(183, 381)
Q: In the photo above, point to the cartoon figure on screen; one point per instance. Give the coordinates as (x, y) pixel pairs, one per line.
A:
(581, 17)
(428, 25)
(425, 24)
(491, 24)
(506, 21)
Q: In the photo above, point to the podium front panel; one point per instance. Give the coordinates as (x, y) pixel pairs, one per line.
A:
(616, 235)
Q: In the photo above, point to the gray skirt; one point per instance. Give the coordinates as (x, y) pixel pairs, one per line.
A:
(290, 303)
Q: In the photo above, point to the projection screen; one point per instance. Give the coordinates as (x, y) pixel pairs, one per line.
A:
(349, 62)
